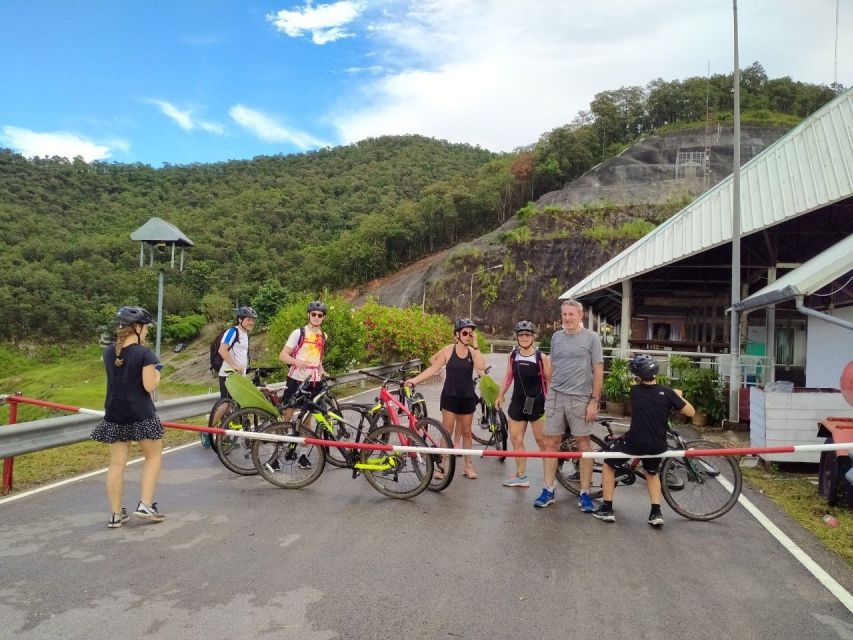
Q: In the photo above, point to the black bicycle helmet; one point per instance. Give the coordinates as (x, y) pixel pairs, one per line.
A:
(316, 305)
(644, 367)
(246, 312)
(463, 323)
(128, 316)
(525, 325)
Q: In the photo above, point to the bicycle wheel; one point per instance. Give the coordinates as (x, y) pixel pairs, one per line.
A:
(444, 466)
(569, 471)
(356, 419)
(673, 480)
(396, 475)
(285, 464)
(712, 484)
(222, 408)
(236, 452)
(418, 405)
(501, 433)
(480, 430)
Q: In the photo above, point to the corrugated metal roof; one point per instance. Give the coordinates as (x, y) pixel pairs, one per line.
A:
(805, 279)
(808, 168)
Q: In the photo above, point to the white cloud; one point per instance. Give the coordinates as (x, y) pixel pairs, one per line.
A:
(373, 70)
(58, 143)
(185, 120)
(268, 129)
(499, 74)
(324, 22)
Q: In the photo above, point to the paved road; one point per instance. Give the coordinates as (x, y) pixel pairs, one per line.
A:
(238, 558)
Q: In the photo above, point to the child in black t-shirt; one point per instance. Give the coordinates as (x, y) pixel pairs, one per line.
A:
(650, 407)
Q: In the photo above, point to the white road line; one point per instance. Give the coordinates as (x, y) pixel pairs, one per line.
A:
(813, 567)
(55, 485)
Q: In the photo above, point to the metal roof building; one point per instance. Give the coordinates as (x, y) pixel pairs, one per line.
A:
(797, 201)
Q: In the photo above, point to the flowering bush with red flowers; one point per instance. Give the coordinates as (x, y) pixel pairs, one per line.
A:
(395, 335)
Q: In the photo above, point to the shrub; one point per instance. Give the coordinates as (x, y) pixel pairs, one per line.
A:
(394, 335)
(182, 328)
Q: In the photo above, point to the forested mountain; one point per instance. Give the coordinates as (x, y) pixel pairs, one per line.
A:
(285, 221)
(327, 219)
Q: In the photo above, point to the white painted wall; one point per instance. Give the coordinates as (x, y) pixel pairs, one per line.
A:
(828, 350)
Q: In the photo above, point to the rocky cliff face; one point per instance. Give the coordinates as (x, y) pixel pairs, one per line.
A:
(650, 171)
(575, 230)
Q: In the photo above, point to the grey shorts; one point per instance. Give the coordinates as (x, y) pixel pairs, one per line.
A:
(564, 413)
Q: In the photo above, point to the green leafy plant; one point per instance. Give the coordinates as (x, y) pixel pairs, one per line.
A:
(393, 334)
(701, 388)
(617, 381)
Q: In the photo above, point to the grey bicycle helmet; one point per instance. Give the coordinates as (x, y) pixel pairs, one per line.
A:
(644, 367)
(525, 325)
(128, 316)
(316, 305)
(246, 312)
(463, 323)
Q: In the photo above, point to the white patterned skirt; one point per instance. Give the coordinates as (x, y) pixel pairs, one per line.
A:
(110, 432)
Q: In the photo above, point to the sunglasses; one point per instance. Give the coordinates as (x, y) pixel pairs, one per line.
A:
(524, 334)
(466, 334)
(316, 314)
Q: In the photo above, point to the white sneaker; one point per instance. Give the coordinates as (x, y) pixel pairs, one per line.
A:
(149, 513)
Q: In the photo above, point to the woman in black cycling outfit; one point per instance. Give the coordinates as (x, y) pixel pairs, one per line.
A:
(458, 400)
(529, 373)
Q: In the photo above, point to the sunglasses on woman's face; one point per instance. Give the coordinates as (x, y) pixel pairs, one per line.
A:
(524, 334)
(317, 314)
(466, 334)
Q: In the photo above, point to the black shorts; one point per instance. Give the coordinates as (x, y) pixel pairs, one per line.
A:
(293, 385)
(650, 465)
(515, 410)
(459, 406)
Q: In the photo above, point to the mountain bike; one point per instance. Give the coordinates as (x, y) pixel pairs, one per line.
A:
(490, 427)
(394, 474)
(387, 410)
(695, 487)
(235, 452)
(227, 405)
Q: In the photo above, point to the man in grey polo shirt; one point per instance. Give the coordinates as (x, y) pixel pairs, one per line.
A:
(577, 364)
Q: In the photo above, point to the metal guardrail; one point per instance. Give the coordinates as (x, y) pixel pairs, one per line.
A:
(37, 435)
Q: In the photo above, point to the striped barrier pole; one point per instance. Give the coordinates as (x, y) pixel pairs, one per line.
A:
(252, 435)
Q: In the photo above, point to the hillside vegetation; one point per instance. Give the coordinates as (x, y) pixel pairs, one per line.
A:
(269, 228)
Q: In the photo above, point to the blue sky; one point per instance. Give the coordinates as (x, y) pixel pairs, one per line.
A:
(210, 80)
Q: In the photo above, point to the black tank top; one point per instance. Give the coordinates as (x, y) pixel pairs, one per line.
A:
(527, 378)
(459, 381)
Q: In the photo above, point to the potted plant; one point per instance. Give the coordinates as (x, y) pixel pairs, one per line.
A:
(617, 386)
(700, 387)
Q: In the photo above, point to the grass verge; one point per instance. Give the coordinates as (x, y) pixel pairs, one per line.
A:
(797, 495)
(75, 376)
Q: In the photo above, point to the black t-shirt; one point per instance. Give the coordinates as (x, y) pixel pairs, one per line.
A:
(650, 407)
(127, 400)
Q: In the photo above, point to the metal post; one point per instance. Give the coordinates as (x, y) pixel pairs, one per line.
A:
(159, 313)
(770, 337)
(471, 297)
(9, 463)
(734, 334)
(627, 303)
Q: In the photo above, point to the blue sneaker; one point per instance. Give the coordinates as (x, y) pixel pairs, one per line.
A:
(205, 439)
(585, 503)
(545, 499)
